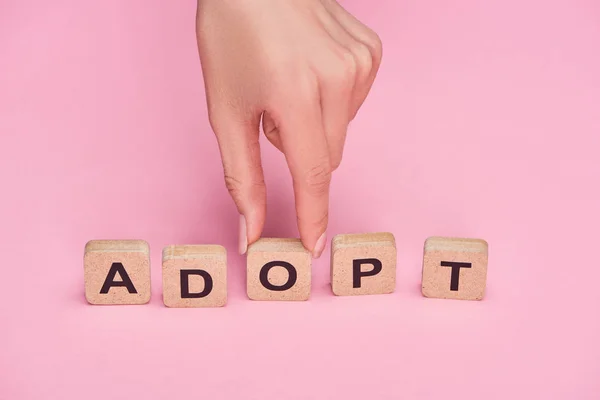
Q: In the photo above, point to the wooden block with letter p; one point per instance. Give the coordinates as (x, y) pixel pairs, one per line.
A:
(455, 268)
(117, 272)
(194, 276)
(278, 269)
(363, 264)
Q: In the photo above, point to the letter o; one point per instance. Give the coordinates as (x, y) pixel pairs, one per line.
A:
(292, 276)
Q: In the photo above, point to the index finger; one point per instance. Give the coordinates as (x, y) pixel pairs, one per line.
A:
(307, 153)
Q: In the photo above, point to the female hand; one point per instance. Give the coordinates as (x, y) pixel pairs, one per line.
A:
(303, 67)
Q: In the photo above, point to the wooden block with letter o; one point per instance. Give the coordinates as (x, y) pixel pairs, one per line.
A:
(117, 272)
(194, 276)
(278, 269)
(363, 264)
(455, 268)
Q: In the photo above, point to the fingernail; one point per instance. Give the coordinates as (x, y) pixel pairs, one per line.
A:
(320, 246)
(243, 236)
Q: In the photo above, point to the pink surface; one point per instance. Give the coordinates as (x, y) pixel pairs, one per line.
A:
(484, 122)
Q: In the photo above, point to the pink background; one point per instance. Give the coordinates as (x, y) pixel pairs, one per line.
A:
(484, 122)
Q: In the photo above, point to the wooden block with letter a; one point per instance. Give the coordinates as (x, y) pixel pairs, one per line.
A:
(363, 264)
(455, 268)
(117, 272)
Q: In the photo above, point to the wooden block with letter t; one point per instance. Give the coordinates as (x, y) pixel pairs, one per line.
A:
(117, 272)
(455, 268)
(278, 269)
(194, 276)
(363, 264)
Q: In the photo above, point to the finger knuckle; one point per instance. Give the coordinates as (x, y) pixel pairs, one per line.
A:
(317, 179)
(349, 68)
(363, 57)
(339, 71)
(233, 185)
(375, 45)
(239, 189)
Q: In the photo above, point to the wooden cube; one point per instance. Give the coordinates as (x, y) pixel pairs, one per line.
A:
(117, 272)
(194, 276)
(278, 269)
(455, 268)
(363, 264)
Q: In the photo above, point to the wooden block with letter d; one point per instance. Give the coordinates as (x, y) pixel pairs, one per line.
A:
(278, 269)
(194, 276)
(363, 264)
(117, 272)
(454, 268)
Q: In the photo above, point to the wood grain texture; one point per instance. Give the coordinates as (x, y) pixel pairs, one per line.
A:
(273, 250)
(363, 264)
(466, 259)
(101, 256)
(205, 274)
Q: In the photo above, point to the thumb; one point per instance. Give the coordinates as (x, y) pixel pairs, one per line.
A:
(240, 153)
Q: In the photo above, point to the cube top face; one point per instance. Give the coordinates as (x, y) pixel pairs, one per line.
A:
(193, 251)
(455, 268)
(287, 245)
(117, 272)
(363, 264)
(278, 270)
(194, 276)
(437, 243)
(374, 239)
(117, 245)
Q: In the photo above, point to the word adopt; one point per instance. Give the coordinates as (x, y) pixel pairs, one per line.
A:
(118, 271)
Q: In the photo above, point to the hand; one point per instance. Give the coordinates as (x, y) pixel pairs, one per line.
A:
(302, 66)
